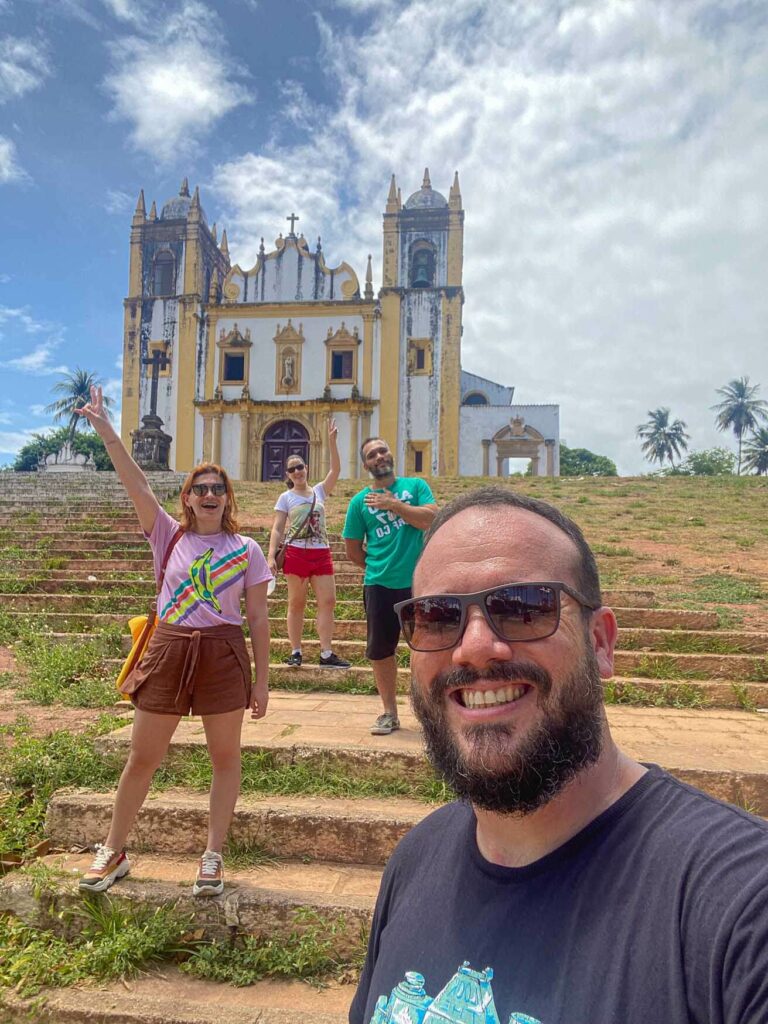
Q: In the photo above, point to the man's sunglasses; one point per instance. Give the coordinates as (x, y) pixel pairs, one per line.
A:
(296, 468)
(516, 612)
(202, 489)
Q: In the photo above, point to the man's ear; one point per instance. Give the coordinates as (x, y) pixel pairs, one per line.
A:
(603, 632)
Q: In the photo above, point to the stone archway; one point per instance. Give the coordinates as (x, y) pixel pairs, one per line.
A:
(519, 440)
(281, 439)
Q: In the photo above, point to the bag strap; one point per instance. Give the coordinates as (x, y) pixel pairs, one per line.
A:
(171, 545)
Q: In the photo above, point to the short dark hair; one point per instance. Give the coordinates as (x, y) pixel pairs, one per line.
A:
(373, 437)
(588, 577)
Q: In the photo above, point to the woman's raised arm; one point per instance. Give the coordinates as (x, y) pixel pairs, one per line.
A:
(132, 477)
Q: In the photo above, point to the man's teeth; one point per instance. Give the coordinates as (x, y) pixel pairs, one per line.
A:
(488, 698)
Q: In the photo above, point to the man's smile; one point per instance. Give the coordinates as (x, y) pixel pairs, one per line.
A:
(483, 697)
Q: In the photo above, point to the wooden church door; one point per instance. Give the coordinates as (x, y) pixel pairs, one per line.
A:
(281, 440)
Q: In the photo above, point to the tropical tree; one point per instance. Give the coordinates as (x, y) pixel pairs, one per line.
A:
(741, 410)
(756, 452)
(661, 439)
(75, 391)
(583, 462)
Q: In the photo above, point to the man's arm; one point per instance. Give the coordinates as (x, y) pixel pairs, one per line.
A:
(355, 552)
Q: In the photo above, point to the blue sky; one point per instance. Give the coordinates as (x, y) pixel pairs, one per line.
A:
(613, 159)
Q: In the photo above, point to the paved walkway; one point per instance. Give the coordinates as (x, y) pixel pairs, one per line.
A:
(715, 740)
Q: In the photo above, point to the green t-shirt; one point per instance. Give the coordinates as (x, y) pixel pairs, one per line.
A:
(392, 545)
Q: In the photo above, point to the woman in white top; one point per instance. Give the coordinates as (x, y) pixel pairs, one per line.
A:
(301, 508)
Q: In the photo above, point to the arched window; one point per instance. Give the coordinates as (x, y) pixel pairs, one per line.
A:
(475, 398)
(164, 274)
(422, 265)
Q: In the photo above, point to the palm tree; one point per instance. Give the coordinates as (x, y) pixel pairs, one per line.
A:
(756, 452)
(75, 389)
(741, 410)
(662, 440)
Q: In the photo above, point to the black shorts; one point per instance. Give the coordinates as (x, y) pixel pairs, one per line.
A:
(383, 624)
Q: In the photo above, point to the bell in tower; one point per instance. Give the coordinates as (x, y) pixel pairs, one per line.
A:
(422, 265)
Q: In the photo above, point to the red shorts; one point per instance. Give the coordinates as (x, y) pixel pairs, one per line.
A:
(307, 562)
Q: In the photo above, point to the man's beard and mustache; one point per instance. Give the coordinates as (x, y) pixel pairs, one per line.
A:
(382, 469)
(498, 775)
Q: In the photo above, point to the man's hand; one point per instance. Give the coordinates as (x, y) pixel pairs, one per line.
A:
(383, 500)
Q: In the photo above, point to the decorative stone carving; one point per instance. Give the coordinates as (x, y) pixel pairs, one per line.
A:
(66, 460)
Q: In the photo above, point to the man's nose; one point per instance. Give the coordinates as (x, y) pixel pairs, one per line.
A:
(479, 645)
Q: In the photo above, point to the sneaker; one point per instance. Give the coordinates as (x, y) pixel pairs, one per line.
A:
(108, 865)
(333, 661)
(385, 724)
(210, 875)
(294, 659)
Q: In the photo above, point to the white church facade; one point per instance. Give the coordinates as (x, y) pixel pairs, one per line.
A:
(252, 362)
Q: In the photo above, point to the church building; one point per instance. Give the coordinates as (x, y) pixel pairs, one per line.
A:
(245, 366)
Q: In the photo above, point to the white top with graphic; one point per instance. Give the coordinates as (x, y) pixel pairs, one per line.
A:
(314, 534)
(205, 576)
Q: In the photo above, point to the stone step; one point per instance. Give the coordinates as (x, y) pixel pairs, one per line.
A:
(265, 900)
(174, 822)
(51, 605)
(711, 693)
(169, 996)
(723, 752)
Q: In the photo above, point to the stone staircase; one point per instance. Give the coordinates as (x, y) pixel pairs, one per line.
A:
(310, 851)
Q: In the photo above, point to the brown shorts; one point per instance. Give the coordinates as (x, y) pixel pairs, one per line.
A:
(193, 671)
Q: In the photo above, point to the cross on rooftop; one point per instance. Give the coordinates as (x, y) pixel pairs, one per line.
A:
(293, 218)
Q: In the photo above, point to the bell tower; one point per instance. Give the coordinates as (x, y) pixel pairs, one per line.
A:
(421, 303)
(176, 265)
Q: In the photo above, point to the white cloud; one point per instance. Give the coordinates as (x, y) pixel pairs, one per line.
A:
(613, 164)
(12, 440)
(5, 278)
(47, 337)
(24, 65)
(10, 169)
(117, 201)
(37, 410)
(172, 86)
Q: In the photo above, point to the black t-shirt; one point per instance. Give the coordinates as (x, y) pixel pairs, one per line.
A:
(655, 913)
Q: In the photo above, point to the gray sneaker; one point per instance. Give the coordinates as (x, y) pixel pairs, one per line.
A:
(385, 724)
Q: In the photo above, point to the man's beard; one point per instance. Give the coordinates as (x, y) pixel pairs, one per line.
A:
(497, 775)
(385, 469)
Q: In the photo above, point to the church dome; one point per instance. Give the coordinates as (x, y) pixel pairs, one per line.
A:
(177, 207)
(426, 198)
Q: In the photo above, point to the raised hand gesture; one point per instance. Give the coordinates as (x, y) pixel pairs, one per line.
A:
(96, 414)
(333, 430)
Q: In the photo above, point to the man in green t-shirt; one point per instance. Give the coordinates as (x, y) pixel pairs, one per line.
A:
(383, 534)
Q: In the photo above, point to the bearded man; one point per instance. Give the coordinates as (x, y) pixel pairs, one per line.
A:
(569, 884)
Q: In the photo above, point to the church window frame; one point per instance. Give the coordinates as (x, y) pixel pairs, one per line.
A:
(422, 257)
(163, 273)
(234, 344)
(158, 346)
(289, 345)
(418, 458)
(419, 360)
(342, 348)
(470, 395)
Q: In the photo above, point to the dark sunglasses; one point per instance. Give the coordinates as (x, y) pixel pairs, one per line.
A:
(296, 468)
(202, 489)
(516, 612)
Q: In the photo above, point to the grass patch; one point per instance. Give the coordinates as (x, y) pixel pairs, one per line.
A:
(722, 588)
(308, 952)
(653, 666)
(247, 854)
(112, 941)
(683, 695)
(743, 697)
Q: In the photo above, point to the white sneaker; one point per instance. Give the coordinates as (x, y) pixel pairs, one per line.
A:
(108, 865)
(210, 875)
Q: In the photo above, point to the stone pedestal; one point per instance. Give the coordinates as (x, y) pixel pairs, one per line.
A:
(151, 445)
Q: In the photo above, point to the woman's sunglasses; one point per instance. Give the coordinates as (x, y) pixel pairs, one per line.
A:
(202, 489)
(296, 468)
(516, 612)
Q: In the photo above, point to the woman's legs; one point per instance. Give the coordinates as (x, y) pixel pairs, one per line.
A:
(325, 595)
(150, 737)
(222, 733)
(297, 602)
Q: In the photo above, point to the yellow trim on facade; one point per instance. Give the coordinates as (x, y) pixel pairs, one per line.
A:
(455, 253)
(450, 387)
(288, 344)
(368, 354)
(131, 366)
(282, 310)
(416, 345)
(389, 374)
(184, 426)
